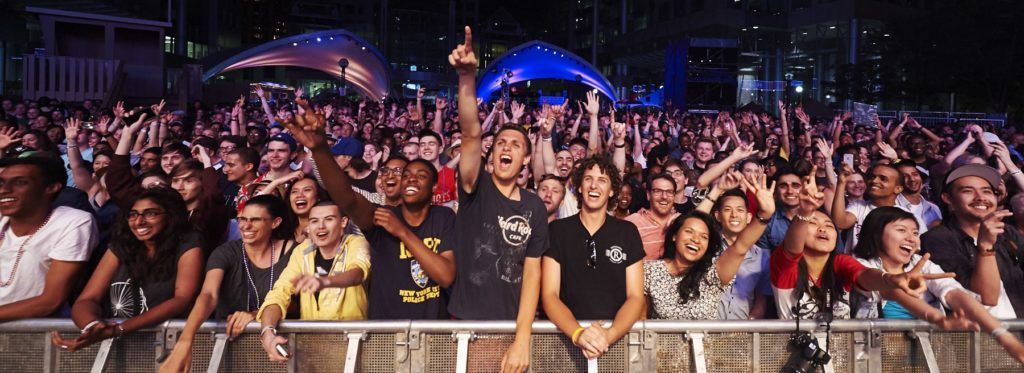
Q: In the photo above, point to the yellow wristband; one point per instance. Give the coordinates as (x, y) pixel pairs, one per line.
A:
(576, 334)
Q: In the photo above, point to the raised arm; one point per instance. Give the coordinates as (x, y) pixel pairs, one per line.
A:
(83, 179)
(464, 61)
(440, 104)
(264, 104)
(729, 262)
(720, 168)
(784, 122)
(842, 218)
(308, 130)
(593, 107)
(619, 144)
(810, 201)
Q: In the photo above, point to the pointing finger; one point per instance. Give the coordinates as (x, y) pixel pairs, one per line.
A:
(469, 39)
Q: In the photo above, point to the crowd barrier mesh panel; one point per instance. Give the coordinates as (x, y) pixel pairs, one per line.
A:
(22, 352)
(556, 353)
(995, 359)
(673, 353)
(953, 351)
(728, 352)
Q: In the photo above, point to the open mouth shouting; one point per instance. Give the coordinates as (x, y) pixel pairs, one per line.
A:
(301, 204)
(908, 250)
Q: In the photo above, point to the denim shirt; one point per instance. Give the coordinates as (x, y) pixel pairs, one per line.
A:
(751, 278)
(775, 232)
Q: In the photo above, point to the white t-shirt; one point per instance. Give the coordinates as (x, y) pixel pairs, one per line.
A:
(69, 236)
(926, 212)
(860, 210)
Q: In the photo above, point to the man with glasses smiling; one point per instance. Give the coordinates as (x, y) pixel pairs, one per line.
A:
(651, 222)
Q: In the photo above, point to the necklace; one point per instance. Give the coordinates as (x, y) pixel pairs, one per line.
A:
(21, 248)
(245, 263)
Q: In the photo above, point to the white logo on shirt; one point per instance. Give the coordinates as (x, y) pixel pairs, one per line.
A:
(615, 255)
(516, 229)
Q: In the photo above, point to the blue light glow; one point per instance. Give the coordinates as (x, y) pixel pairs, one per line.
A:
(528, 63)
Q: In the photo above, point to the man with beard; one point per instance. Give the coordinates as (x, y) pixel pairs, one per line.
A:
(974, 243)
(501, 228)
(884, 183)
(551, 191)
(559, 164)
(411, 243)
(651, 222)
(911, 198)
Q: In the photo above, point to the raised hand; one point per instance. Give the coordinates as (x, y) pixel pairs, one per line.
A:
(810, 198)
(824, 148)
(618, 132)
(259, 92)
(730, 180)
(9, 136)
(593, 103)
(782, 109)
(758, 185)
(308, 129)
(119, 109)
(462, 57)
(420, 93)
(329, 111)
(134, 127)
(518, 110)
(298, 92)
(913, 281)
(887, 151)
(441, 103)
(71, 128)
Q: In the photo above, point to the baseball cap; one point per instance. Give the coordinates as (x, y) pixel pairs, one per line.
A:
(285, 138)
(985, 172)
(347, 146)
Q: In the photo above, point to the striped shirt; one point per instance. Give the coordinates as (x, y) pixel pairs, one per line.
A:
(652, 232)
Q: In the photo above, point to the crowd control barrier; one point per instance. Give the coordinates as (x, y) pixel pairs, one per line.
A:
(471, 346)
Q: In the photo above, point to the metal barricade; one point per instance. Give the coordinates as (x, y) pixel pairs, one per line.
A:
(447, 346)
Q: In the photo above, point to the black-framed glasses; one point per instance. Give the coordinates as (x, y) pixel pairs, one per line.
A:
(145, 214)
(592, 259)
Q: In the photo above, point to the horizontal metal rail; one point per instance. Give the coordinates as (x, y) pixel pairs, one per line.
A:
(445, 345)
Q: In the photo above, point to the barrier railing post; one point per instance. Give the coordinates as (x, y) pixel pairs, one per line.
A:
(755, 352)
(874, 350)
(700, 363)
(48, 354)
(352, 354)
(635, 351)
(976, 352)
(101, 356)
(220, 344)
(924, 339)
(462, 352)
(405, 344)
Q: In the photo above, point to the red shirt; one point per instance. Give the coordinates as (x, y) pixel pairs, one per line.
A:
(445, 189)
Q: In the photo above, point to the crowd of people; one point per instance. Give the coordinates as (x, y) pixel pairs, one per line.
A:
(344, 209)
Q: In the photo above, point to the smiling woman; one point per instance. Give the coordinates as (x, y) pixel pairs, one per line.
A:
(149, 275)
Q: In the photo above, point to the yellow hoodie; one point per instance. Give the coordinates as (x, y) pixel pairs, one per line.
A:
(333, 303)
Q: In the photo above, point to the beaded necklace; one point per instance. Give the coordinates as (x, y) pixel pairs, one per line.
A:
(21, 248)
(245, 263)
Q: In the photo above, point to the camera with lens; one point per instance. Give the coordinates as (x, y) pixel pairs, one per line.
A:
(807, 355)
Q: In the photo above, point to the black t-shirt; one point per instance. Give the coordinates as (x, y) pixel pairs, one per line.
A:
(128, 299)
(399, 288)
(594, 293)
(236, 290)
(685, 207)
(367, 183)
(495, 235)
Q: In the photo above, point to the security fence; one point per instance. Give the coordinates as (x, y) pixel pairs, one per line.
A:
(460, 346)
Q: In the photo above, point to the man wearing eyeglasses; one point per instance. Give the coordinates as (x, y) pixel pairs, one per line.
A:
(651, 222)
(593, 269)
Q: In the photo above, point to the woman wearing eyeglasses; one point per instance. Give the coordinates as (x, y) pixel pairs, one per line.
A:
(593, 269)
(150, 274)
(688, 281)
(240, 273)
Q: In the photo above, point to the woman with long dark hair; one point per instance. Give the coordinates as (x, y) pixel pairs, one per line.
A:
(688, 282)
(150, 274)
(892, 246)
(240, 273)
(809, 277)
